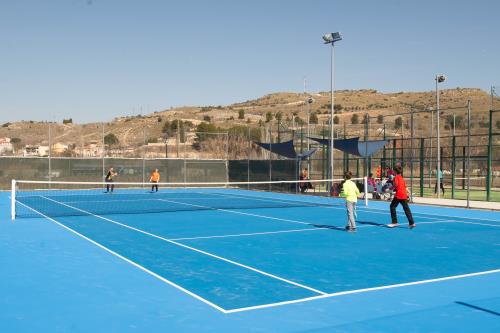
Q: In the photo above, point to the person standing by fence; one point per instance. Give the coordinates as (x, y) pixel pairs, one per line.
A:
(441, 184)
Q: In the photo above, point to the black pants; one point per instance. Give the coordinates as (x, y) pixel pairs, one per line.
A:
(440, 186)
(154, 187)
(395, 202)
(109, 186)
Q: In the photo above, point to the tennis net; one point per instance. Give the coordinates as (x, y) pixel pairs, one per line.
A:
(51, 199)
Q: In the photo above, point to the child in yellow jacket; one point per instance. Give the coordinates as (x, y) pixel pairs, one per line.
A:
(350, 192)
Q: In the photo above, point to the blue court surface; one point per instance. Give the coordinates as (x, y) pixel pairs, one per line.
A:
(245, 266)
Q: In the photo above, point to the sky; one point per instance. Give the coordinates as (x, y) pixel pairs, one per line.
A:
(93, 60)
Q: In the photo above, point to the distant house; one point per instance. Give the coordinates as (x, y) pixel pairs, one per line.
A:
(93, 149)
(34, 150)
(6, 146)
(59, 148)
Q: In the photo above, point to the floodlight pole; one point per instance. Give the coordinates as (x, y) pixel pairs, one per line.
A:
(439, 78)
(438, 166)
(309, 101)
(332, 100)
(331, 38)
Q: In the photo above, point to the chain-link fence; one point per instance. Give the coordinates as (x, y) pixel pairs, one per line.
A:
(184, 153)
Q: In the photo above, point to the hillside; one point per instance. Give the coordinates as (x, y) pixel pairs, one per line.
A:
(291, 108)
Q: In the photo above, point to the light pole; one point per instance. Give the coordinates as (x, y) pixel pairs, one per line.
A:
(439, 79)
(309, 101)
(331, 38)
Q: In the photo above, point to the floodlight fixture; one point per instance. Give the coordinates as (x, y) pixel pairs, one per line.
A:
(332, 37)
(440, 78)
(310, 100)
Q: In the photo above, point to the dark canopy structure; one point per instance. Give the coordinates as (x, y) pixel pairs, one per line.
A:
(354, 146)
(285, 149)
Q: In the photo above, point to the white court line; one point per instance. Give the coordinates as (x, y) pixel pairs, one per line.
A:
(364, 209)
(129, 200)
(322, 228)
(440, 216)
(463, 222)
(358, 291)
(322, 205)
(250, 234)
(238, 212)
(193, 249)
(173, 284)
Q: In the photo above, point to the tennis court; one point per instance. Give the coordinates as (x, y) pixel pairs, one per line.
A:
(229, 259)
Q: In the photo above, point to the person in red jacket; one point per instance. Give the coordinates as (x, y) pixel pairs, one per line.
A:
(401, 197)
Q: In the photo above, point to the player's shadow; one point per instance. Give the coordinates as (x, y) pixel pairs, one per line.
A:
(326, 226)
(475, 307)
(375, 224)
(372, 223)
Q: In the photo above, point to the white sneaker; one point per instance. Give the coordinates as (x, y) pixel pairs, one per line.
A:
(392, 225)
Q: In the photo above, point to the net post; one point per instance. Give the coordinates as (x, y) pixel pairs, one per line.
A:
(365, 185)
(13, 200)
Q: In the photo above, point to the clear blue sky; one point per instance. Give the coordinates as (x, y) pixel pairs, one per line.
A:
(94, 60)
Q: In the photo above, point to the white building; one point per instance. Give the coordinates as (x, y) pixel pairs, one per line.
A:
(33, 150)
(59, 148)
(6, 146)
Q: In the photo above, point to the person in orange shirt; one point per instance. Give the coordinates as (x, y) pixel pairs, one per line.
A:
(379, 172)
(155, 178)
(401, 197)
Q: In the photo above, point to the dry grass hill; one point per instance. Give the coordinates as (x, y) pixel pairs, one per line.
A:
(290, 108)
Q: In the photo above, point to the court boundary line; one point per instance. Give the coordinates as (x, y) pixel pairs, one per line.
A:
(463, 222)
(195, 249)
(361, 208)
(322, 205)
(250, 234)
(319, 228)
(364, 290)
(133, 263)
(238, 212)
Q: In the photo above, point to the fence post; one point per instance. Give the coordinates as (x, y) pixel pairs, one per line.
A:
(346, 156)
(270, 157)
(490, 143)
(301, 139)
(393, 153)
(365, 164)
(463, 168)
(365, 188)
(384, 157)
(422, 166)
(324, 150)
(248, 156)
(412, 131)
(103, 152)
(468, 152)
(453, 165)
